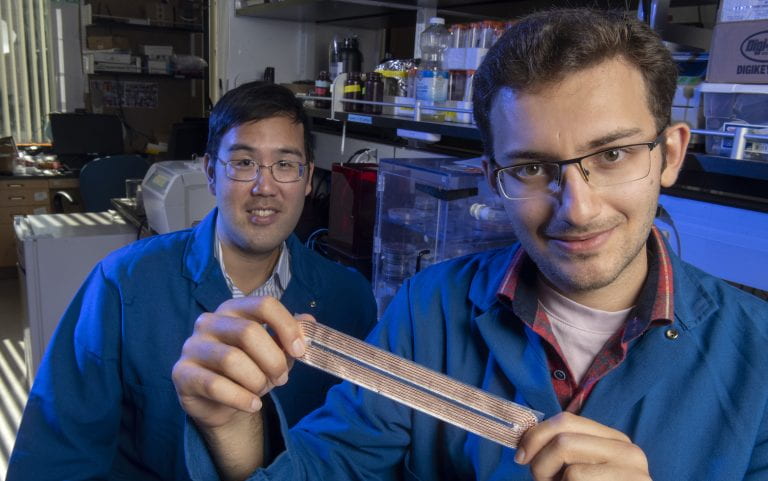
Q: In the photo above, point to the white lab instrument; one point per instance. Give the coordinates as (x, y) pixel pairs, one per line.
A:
(175, 195)
(56, 253)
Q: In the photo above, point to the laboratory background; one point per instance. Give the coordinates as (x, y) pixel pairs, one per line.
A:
(103, 121)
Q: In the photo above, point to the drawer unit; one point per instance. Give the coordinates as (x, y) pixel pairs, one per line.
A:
(7, 213)
(22, 197)
(19, 197)
(26, 184)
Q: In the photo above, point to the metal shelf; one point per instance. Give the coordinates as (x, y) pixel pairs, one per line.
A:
(109, 73)
(463, 131)
(105, 21)
(382, 14)
(353, 13)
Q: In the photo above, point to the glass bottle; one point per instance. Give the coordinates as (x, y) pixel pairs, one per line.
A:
(353, 90)
(374, 92)
(432, 80)
(322, 89)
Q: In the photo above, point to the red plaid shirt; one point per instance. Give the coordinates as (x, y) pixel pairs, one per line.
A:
(654, 308)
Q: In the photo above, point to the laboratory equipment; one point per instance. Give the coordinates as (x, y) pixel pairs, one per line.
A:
(430, 210)
(175, 195)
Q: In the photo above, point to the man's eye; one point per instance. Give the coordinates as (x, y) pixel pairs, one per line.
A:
(528, 171)
(286, 165)
(242, 163)
(612, 156)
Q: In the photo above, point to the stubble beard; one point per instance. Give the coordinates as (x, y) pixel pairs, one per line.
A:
(584, 276)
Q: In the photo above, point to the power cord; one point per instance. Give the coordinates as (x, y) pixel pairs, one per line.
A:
(364, 155)
(311, 242)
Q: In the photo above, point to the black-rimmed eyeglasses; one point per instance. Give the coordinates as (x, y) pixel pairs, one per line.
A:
(613, 166)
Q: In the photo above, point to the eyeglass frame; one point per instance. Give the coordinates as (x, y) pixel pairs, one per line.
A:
(576, 160)
(302, 166)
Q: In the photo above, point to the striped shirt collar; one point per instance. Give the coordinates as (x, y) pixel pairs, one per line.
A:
(275, 284)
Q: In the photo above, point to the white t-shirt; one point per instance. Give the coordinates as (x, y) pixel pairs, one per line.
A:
(580, 331)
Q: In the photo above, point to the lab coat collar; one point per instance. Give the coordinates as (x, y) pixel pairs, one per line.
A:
(201, 267)
(514, 347)
(490, 273)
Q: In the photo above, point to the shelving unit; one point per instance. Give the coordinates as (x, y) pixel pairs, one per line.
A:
(158, 100)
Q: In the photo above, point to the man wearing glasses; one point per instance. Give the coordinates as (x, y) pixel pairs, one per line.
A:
(103, 405)
(644, 366)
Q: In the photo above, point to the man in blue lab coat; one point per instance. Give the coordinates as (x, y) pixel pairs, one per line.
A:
(644, 366)
(103, 405)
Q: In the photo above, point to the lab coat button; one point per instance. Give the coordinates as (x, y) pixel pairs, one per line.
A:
(672, 334)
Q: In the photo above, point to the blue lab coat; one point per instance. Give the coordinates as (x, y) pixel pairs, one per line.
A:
(695, 404)
(103, 404)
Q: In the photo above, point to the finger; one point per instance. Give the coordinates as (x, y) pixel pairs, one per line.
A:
(197, 386)
(539, 436)
(233, 363)
(570, 449)
(240, 349)
(268, 310)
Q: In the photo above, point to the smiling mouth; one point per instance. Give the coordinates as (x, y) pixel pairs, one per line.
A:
(262, 212)
(582, 243)
(578, 238)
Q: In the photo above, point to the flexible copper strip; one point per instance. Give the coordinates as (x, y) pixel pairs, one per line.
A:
(416, 386)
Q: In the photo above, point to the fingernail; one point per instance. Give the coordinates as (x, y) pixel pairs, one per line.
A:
(298, 348)
(255, 404)
(520, 456)
(282, 379)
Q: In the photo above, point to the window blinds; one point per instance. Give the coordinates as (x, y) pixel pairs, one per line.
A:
(25, 59)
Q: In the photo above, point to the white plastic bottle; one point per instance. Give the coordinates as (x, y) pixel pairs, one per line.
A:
(431, 79)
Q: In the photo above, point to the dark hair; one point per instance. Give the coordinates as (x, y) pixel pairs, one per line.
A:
(544, 47)
(252, 102)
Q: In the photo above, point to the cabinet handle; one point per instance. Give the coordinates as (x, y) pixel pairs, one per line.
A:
(16, 197)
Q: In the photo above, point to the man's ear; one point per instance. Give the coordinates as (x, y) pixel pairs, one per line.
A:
(311, 172)
(209, 167)
(676, 143)
(488, 171)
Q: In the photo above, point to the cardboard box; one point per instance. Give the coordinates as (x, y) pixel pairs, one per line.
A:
(739, 53)
(108, 42)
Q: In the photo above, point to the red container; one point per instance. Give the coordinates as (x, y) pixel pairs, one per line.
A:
(352, 214)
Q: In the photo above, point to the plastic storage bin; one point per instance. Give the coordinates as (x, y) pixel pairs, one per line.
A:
(729, 105)
(424, 215)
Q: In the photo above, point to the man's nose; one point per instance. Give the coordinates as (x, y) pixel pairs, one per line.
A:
(579, 202)
(264, 183)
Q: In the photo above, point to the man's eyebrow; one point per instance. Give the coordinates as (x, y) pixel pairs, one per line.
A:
(235, 147)
(280, 150)
(611, 137)
(602, 141)
(526, 155)
(291, 151)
